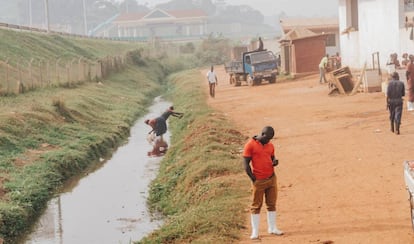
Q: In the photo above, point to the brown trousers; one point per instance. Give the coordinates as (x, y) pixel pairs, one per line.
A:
(266, 188)
(212, 89)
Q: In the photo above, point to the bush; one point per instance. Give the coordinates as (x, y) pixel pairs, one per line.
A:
(214, 51)
(136, 57)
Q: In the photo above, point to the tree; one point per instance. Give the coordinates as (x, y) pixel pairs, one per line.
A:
(132, 6)
(240, 13)
(205, 5)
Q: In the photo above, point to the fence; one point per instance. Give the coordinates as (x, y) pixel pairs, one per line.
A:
(24, 75)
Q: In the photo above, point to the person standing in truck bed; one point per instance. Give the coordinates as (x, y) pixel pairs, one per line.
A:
(260, 45)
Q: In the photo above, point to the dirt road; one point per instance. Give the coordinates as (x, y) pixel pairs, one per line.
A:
(340, 174)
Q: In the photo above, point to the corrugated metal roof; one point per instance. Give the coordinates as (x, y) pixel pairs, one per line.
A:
(309, 23)
(298, 33)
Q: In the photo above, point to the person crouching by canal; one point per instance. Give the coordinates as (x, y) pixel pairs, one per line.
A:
(159, 127)
(171, 112)
(259, 160)
(395, 92)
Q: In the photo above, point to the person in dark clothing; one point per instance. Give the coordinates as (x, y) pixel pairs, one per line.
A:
(395, 92)
(159, 128)
(158, 125)
(260, 45)
(170, 111)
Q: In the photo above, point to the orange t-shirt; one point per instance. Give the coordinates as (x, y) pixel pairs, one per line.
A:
(261, 155)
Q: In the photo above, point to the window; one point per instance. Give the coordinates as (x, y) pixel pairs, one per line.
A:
(247, 59)
(331, 40)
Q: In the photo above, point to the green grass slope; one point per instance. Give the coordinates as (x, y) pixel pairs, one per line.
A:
(16, 46)
(201, 184)
(51, 134)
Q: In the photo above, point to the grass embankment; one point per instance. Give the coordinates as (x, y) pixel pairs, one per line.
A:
(17, 46)
(201, 186)
(50, 134)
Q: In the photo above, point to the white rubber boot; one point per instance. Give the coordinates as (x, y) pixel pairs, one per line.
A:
(271, 223)
(255, 220)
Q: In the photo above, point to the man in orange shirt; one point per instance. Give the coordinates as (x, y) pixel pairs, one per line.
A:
(261, 153)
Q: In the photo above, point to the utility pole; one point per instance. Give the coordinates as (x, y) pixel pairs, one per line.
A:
(30, 14)
(47, 15)
(85, 24)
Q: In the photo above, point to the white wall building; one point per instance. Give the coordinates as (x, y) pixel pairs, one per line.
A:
(368, 27)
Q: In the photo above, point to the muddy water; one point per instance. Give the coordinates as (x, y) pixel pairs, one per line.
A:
(109, 204)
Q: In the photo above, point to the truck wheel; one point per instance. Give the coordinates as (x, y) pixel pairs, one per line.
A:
(249, 80)
(232, 80)
(272, 79)
(257, 81)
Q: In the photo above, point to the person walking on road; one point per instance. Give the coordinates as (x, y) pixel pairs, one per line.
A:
(395, 92)
(259, 160)
(323, 65)
(212, 81)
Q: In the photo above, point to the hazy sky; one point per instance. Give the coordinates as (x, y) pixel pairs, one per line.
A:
(292, 7)
(274, 7)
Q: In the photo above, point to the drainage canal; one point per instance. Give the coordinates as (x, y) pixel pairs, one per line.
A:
(108, 206)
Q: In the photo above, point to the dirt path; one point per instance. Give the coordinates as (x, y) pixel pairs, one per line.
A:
(340, 174)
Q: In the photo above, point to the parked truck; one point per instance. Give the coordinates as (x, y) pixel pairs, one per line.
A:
(252, 67)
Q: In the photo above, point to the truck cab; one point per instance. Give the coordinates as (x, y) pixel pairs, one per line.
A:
(260, 65)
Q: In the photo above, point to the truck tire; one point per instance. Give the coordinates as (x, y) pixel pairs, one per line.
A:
(236, 80)
(232, 80)
(249, 80)
(272, 79)
(257, 81)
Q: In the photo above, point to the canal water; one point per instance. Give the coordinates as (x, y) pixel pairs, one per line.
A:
(108, 205)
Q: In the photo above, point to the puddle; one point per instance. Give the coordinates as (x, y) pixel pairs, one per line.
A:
(109, 204)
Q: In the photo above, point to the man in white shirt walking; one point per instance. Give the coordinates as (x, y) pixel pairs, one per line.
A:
(212, 81)
(322, 68)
